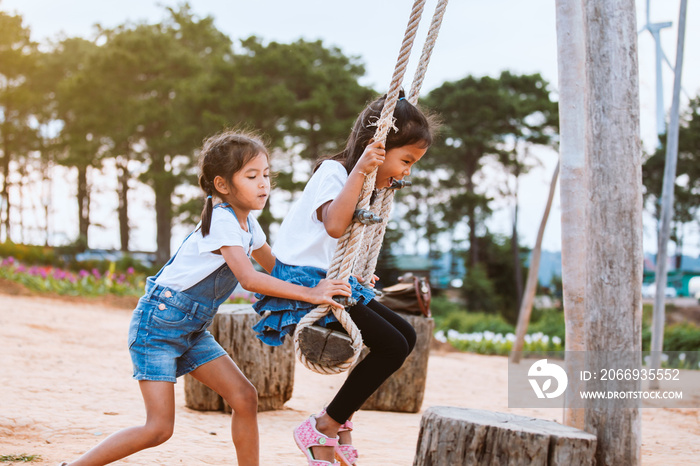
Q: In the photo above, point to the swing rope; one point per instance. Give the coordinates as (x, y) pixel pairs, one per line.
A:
(375, 237)
(360, 241)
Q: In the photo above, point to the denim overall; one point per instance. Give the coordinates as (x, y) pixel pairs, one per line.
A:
(168, 334)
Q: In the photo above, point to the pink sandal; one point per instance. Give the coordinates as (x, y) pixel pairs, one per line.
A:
(306, 437)
(346, 453)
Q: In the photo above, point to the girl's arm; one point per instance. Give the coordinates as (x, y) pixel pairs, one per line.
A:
(264, 257)
(258, 282)
(336, 215)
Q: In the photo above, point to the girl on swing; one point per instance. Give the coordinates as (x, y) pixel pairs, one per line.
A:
(304, 250)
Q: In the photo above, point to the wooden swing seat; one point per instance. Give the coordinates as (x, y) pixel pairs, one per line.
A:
(324, 346)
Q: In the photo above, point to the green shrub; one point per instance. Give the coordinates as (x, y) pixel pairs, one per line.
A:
(29, 254)
(440, 306)
(481, 291)
(677, 337)
(549, 322)
(682, 337)
(472, 322)
(62, 256)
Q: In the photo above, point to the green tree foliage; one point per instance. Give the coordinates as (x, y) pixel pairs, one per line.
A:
(71, 98)
(301, 93)
(689, 149)
(489, 286)
(534, 121)
(142, 97)
(304, 96)
(486, 121)
(474, 124)
(686, 197)
(483, 119)
(160, 77)
(17, 134)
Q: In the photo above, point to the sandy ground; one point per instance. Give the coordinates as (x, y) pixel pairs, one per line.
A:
(66, 384)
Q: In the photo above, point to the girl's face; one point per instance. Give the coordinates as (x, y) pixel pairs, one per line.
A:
(249, 187)
(397, 164)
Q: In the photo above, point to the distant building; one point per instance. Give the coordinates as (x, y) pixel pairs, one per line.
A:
(679, 279)
(417, 265)
(441, 271)
(449, 266)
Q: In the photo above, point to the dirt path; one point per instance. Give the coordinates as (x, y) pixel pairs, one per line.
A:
(67, 385)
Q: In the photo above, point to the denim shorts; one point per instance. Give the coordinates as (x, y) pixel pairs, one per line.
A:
(168, 336)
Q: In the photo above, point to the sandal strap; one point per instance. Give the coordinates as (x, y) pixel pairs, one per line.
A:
(347, 454)
(311, 437)
(346, 427)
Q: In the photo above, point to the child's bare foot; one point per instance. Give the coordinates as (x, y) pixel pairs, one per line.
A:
(345, 437)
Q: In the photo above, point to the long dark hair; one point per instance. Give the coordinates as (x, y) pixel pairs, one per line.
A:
(412, 127)
(223, 155)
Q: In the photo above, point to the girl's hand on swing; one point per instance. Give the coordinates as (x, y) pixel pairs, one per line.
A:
(372, 282)
(371, 158)
(325, 290)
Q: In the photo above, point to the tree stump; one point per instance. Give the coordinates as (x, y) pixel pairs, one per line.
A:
(458, 436)
(404, 390)
(269, 368)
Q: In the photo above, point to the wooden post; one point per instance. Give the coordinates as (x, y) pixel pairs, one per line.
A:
(458, 436)
(571, 53)
(614, 255)
(404, 390)
(269, 368)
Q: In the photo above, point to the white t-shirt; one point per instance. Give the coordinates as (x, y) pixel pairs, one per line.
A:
(195, 259)
(302, 238)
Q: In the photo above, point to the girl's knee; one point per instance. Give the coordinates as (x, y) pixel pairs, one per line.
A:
(157, 433)
(411, 337)
(396, 351)
(243, 400)
(403, 353)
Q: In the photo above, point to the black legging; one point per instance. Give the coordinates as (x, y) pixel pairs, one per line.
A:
(390, 340)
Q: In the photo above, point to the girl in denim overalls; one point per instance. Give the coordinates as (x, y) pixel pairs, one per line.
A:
(168, 334)
(304, 250)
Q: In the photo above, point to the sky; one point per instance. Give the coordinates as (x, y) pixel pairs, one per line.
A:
(477, 38)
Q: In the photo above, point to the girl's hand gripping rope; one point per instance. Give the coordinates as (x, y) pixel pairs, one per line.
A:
(372, 282)
(325, 290)
(372, 157)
